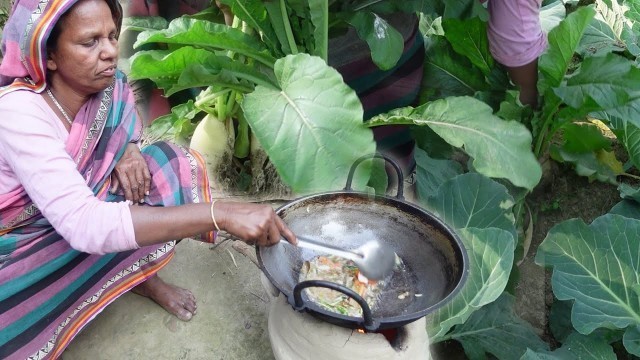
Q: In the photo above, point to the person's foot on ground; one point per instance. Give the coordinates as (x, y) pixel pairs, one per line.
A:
(177, 301)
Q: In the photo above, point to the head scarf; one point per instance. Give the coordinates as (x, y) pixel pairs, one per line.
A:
(24, 41)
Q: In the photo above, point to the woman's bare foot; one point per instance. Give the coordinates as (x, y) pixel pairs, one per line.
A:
(177, 301)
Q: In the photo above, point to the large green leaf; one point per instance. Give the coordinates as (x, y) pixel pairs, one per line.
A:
(311, 127)
(500, 149)
(319, 14)
(576, 347)
(597, 265)
(633, 12)
(165, 67)
(563, 42)
(627, 208)
(385, 42)
(631, 340)
(142, 23)
(431, 173)
(473, 200)
(599, 39)
(551, 15)
(611, 81)
(254, 13)
(463, 9)
(627, 133)
(447, 73)
(187, 67)
(497, 330)
(208, 35)
(584, 137)
(490, 260)
(469, 38)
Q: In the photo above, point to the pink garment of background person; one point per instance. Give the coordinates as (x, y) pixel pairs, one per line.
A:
(515, 34)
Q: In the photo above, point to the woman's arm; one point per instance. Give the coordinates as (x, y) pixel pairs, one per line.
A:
(253, 223)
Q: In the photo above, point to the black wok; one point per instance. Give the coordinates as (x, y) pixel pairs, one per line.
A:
(434, 257)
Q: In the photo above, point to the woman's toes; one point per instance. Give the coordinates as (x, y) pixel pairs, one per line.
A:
(183, 314)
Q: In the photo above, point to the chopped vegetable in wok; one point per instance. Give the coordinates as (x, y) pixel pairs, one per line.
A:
(344, 272)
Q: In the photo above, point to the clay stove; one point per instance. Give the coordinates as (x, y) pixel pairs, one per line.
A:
(297, 335)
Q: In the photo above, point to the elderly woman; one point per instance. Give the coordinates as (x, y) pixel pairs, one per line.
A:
(85, 215)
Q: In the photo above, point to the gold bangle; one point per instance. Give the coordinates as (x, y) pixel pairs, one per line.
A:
(213, 217)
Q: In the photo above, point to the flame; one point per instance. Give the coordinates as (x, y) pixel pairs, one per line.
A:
(360, 331)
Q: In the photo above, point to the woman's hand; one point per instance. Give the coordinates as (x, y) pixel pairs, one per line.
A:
(131, 174)
(253, 223)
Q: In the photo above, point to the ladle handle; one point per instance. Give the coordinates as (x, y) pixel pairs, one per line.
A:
(352, 172)
(305, 242)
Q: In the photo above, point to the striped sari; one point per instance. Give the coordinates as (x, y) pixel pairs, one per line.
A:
(383, 90)
(49, 291)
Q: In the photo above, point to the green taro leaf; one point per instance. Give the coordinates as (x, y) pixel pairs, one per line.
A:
(500, 149)
(631, 340)
(597, 265)
(576, 347)
(563, 42)
(208, 35)
(311, 127)
(497, 330)
(385, 42)
(469, 38)
(610, 81)
(490, 260)
(473, 200)
(431, 173)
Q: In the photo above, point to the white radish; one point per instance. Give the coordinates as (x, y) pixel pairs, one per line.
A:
(214, 138)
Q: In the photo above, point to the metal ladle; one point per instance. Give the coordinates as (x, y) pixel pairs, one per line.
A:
(374, 259)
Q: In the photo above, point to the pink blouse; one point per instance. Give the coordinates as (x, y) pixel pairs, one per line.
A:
(515, 35)
(33, 155)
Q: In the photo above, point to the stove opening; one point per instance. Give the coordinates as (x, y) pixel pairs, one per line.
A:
(394, 336)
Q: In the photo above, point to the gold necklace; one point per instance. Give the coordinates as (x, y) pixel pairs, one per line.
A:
(55, 101)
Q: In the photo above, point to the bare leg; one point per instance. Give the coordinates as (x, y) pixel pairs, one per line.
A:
(526, 78)
(177, 301)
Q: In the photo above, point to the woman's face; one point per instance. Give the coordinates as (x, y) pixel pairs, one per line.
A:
(86, 52)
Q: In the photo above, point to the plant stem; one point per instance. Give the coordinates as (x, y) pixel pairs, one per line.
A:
(631, 176)
(287, 28)
(207, 97)
(543, 132)
(221, 107)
